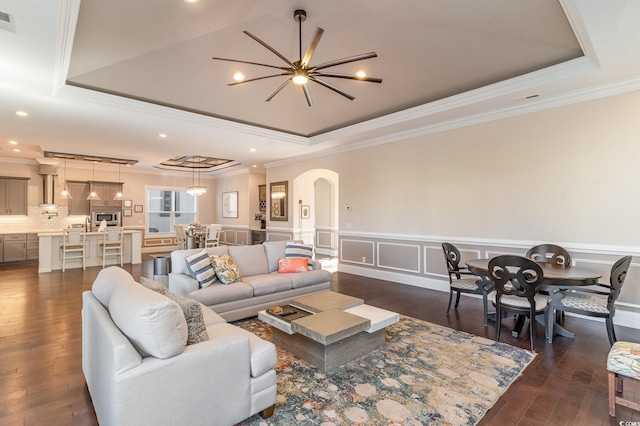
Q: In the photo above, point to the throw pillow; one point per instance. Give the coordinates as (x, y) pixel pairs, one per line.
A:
(226, 271)
(199, 267)
(293, 249)
(292, 264)
(196, 329)
(153, 285)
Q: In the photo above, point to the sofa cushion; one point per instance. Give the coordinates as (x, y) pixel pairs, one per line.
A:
(107, 280)
(153, 285)
(210, 317)
(225, 268)
(199, 267)
(268, 283)
(196, 329)
(153, 323)
(220, 293)
(308, 279)
(263, 354)
(273, 250)
(297, 249)
(179, 266)
(250, 260)
(292, 264)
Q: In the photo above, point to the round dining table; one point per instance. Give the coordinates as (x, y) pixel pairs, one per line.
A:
(554, 275)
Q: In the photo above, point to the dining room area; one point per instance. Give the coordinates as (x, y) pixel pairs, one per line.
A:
(542, 287)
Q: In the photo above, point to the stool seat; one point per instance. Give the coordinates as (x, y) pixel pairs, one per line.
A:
(623, 362)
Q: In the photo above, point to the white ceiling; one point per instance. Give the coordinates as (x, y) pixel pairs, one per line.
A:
(444, 63)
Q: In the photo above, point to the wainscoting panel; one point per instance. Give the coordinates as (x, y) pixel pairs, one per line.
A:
(279, 236)
(400, 257)
(360, 252)
(418, 260)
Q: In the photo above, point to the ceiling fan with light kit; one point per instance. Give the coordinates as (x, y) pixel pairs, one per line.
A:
(301, 72)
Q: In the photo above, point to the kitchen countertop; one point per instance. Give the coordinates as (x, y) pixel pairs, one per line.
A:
(59, 233)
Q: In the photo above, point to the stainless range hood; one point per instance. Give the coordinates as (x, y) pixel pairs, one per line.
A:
(48, 173)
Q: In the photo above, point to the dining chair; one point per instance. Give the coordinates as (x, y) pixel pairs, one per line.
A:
(517, 281)
(73, 245)
(549, 253)
(595, 301)
(470, 283)
(181, 236)
(212, 236)
(111, 245)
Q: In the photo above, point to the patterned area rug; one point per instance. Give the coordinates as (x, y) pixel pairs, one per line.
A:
(425, 375)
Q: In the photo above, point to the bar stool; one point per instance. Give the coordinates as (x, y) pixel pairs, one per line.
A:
(73, 242)
(623, 362)
(111, 245)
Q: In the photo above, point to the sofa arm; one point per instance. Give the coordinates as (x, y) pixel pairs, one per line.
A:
(182, 284)
(209, 383)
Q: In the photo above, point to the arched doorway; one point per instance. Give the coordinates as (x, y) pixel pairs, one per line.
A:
(315, 200)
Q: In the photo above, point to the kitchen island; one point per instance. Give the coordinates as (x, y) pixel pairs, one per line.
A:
(50, 254)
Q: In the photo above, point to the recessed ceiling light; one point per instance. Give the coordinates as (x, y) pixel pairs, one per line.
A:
(190, 1)
(21, 113)
(252, 150)
(361, 74)
(13, 143)
(16, 150)
(238, 76)
(254, 166)
(162, 135)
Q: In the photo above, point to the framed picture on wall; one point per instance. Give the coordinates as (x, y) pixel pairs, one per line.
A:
(230, 204)
(126, 212)
(137, 208)
(127, 203)
(305, 212)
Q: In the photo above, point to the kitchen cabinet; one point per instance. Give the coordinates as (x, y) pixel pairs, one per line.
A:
(106, 191)
(78, 204)
(13, 196)
(33, 247)
(15, 247)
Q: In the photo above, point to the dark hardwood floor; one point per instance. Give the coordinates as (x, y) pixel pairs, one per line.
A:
(41, 381)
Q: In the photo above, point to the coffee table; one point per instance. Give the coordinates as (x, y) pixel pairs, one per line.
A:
(341, 329)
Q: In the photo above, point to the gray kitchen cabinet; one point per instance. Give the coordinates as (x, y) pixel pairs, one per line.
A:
(13, 196)
(106, 191)
(78, 204)
(15, 247)
(33, 246)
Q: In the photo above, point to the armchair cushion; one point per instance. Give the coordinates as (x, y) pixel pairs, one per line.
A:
(153, 323)
(199, 267)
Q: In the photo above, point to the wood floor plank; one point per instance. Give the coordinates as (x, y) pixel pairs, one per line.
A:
(41, 381)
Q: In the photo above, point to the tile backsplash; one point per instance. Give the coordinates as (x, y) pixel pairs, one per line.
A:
(39, 219)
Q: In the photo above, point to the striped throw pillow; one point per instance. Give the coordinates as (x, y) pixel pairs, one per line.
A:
(292, 249)
(199, 267)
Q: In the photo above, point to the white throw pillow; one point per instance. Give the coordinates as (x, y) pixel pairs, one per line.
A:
(199, 266)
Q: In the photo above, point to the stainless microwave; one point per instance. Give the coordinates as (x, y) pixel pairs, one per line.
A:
(111, 219)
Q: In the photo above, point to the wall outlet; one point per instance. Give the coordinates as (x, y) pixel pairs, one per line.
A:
(364, 259)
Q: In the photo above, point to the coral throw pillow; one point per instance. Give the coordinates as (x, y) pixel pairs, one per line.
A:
(292, 264)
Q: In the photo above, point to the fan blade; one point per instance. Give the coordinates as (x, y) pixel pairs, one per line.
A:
(257, 78)
(249, 62)
(332, 87)
(344, 61)
(274, 51)
(278, 90)
(348, 77)
(312, 47)
(307, 94)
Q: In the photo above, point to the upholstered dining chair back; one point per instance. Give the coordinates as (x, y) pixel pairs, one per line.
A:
(549, 253)
(516, 278)
(461, 280)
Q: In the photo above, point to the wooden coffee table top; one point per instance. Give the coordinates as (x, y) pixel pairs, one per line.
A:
(324, 301)
(330, 326)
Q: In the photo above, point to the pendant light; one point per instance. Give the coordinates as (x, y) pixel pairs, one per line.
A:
(65, 194)
(93, 196)
(119, 196)
(195, 190)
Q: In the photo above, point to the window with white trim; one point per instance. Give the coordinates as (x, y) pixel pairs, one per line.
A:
(166, 207)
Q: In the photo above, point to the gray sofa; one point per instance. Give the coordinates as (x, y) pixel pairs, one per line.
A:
(140, 371)
(261, 286)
